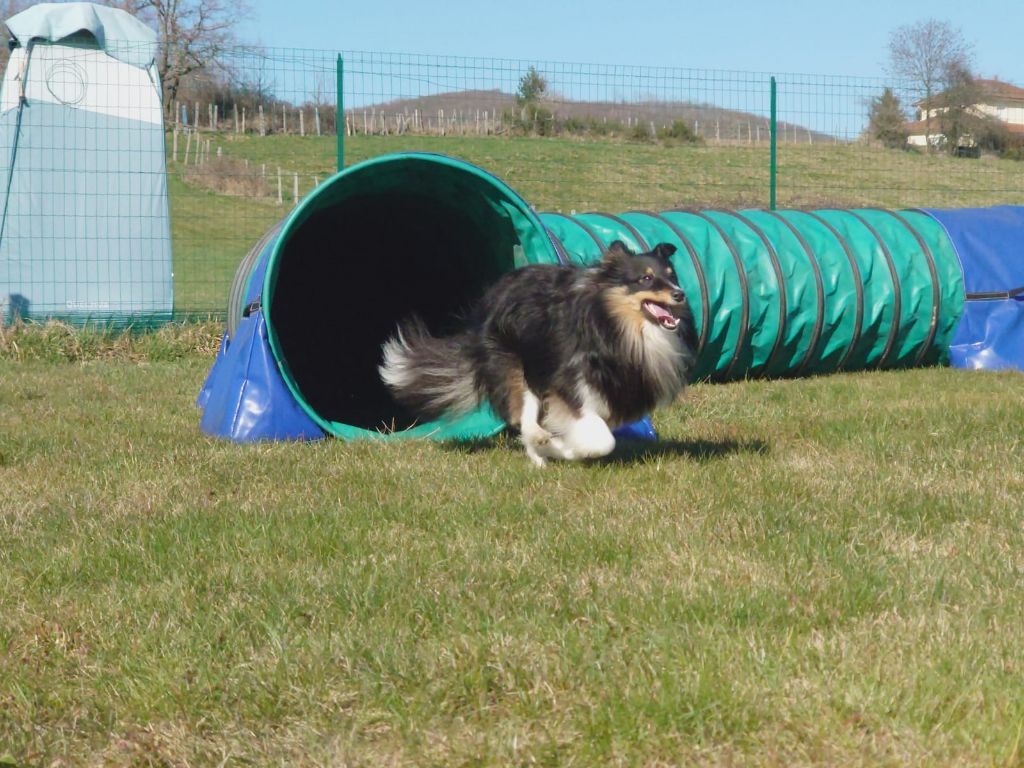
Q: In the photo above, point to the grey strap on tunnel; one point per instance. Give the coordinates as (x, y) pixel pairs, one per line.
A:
(897, 299)
(769, 364)
(858, 287)
(698, 268)
(563, 255)
(819, 288)
(936, 294)
(744, 288)
(1013, 293)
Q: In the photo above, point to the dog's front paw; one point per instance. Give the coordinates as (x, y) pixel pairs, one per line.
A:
(535, 458)
(537, 442)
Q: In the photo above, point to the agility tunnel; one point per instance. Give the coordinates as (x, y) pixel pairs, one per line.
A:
(773, 293)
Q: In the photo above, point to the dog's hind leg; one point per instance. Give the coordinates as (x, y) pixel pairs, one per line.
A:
(519, 406)
(590, 437)
(582, 433)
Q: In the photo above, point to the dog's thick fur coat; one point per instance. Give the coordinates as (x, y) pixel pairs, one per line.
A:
(563, 354)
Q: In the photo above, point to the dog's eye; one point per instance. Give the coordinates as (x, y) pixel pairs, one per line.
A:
(646, 279)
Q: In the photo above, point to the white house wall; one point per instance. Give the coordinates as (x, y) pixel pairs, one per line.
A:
(1013, 115)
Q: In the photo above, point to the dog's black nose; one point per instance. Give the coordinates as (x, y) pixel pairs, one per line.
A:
(678, 296)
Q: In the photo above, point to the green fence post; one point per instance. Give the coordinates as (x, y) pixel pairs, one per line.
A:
(339, 114)
(773, 162)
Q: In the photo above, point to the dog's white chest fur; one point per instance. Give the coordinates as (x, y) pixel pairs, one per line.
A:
(663, 357)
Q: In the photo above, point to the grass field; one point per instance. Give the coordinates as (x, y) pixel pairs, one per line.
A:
(212, 232)
(826, 571)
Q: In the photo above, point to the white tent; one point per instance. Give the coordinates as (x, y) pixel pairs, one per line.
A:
(84, 226)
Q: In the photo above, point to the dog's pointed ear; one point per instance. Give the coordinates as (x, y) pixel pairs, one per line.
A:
(664, 250)
(617, 253)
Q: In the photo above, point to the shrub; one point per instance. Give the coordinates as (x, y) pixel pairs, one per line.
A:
(227, 176)
(641, 132)
(679, 131)
(886, 121)
(532, 120)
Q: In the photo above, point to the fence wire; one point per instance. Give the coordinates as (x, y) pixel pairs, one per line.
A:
(248, 137)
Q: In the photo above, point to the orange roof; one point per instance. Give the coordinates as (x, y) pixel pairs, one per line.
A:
(991, 89)
(933, 127)
(1000, 89)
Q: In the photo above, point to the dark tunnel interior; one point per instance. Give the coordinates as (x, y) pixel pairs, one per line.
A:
(353, 270)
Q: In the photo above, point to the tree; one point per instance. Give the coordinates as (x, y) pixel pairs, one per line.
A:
(191, 34)
(956, 118)
(533, 116)
(532, 87)
(8, 8)
(961, 123)
(927, 53)
(886, 121)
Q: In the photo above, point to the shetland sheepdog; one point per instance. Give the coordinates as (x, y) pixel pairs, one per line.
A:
(563, 354)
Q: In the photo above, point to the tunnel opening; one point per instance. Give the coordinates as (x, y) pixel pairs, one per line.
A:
(423, 236)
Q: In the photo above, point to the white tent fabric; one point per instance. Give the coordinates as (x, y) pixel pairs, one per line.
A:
(119, 34)
(84, 224)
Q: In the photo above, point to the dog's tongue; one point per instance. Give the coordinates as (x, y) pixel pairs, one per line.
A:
(659, 312)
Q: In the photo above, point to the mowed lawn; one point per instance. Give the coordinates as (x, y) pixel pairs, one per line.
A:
(827, 571)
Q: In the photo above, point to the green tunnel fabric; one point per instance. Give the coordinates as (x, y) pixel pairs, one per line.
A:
(773, 293)
(949, 275)
(785, 293)
(393, 236)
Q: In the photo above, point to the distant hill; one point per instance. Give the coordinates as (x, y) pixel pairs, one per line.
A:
(464, 109)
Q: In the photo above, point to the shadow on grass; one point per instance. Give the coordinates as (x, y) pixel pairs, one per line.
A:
(630, 451)
(638, 451)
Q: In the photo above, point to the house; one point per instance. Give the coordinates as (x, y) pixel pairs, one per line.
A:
(997, 99)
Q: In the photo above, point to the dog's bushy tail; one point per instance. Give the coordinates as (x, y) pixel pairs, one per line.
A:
(430, 376)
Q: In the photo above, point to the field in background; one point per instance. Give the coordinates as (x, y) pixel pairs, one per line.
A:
(212, 230)
(813, 572)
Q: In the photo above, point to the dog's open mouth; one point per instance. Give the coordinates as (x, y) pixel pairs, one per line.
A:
(660, 315)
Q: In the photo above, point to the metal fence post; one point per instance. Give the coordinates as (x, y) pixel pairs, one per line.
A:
(339, 114)
(773, 162)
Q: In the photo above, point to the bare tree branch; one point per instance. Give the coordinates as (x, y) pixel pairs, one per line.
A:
(8, 8)
(192, 34)
(926, 53)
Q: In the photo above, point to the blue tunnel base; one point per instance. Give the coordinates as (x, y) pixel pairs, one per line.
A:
(990, 245)
(245, 399)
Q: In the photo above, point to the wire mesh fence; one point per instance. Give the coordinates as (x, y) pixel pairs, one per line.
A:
(246, 138)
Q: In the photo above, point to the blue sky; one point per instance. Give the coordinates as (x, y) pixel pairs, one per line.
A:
(794, 36)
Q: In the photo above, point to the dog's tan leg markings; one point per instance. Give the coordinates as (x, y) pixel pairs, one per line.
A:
(515, 382)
